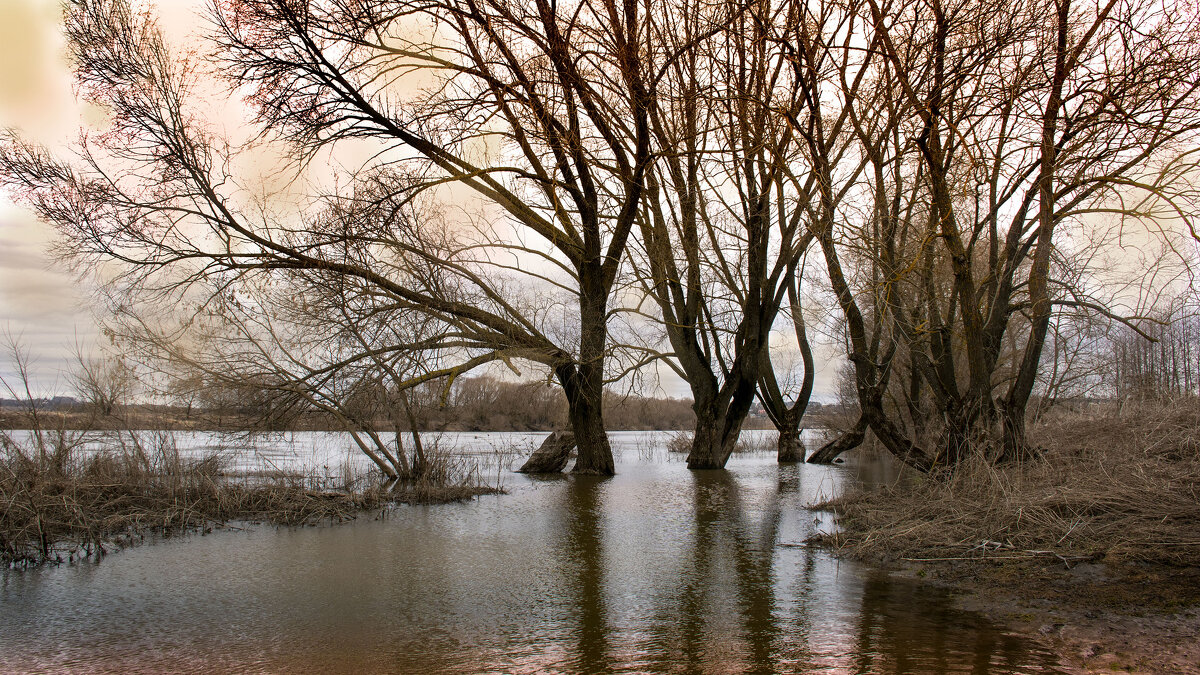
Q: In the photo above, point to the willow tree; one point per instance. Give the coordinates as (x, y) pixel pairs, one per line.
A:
(721, 228)
(1010, 128)
(536, 109)
(783, 398)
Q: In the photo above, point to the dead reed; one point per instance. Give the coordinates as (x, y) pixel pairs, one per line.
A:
(680, 442)
(73, 495)
(446, 477)
(1115, 483)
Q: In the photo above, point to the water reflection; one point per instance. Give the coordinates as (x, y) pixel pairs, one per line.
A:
(656, 570)
(586, 575)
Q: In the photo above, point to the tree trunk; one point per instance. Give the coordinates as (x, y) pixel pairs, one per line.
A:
(1014, 445)
(584, 388)
(711, 444)
(791, 448)
(843, 443)
(552, 456)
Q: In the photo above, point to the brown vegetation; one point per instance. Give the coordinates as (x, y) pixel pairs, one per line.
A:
(61, 499)
(683, 442)
(1091, 549)
(1114, 484)
(473, 404)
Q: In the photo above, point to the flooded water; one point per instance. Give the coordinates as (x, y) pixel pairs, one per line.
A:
(658, 569)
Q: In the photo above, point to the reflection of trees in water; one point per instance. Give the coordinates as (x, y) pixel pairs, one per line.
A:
(743, 603)
(908, 627)
(723, 615)
(585, 544)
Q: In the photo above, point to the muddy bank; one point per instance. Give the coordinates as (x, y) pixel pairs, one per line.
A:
(1092, 549)
(1099, 618)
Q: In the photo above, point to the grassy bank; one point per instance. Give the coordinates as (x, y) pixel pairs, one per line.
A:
(1088, 545)
(65, 496)
(1117, 485)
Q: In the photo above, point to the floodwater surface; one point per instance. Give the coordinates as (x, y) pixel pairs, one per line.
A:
(658, 569)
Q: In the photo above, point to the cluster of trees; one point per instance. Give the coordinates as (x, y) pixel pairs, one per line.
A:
(594, 188)
(1166, 365)
(490, 404)
(482, 403)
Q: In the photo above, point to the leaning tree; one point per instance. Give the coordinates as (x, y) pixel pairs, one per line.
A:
(537, 110)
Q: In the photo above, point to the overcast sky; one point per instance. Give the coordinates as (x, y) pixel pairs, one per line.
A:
(40, 303)
(37, 303)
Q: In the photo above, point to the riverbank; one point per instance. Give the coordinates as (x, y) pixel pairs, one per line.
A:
(60, 502)
(1092, 549)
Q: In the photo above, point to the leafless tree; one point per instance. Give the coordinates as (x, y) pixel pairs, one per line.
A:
(103, 382)
(1008, 127)
(722, 228)
(538, 110)
(784, 400)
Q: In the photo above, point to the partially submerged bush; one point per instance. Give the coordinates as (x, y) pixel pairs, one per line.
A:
(75, 495)
(444, 477)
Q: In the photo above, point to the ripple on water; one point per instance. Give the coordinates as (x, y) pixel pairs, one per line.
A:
(655, 570)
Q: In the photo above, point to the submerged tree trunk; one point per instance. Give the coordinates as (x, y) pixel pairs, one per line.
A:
(790, 447)
(711, 445)
(718, 427)
(584, 387)
(846, 441)
(787, 418)
(552, 455)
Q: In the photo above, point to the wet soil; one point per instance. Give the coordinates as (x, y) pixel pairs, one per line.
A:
(1100, 618)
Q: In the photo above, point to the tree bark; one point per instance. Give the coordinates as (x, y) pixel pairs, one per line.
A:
(711, 445)
(843, 443)
(718, 427)
(584, 387)
(552, 455)
(790, 447)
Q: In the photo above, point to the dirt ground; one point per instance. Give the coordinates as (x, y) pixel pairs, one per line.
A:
(1135, 618)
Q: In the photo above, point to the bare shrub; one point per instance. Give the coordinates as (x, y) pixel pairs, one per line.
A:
(680, 442)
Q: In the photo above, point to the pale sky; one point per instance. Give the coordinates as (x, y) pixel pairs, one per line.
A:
(37, 303)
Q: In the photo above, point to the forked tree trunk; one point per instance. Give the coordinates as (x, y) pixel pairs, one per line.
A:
(718, 426)
(711, 445)
(553, 454)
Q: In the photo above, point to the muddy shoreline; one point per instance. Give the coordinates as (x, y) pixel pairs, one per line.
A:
(1099, 618)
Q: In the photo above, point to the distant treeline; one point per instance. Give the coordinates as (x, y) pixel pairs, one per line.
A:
(471, 404)
(1165, 366)
(490, 404)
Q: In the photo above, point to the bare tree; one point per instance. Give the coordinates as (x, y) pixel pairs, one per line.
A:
(721, 228)
(538, 110)
(774, 392)
(103, 382)
(1002, 133)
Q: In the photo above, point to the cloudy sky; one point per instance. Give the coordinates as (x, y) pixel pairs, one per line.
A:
(39, 303)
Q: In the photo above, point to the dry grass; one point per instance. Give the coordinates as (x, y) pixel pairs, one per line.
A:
(446, 478)
(680, 442)
(1119, 484)
(61, 500)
